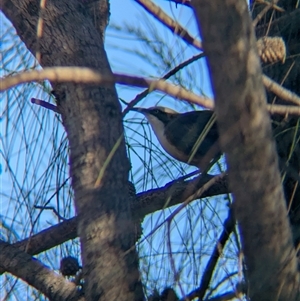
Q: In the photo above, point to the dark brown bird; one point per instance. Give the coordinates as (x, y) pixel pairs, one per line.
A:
(190, 137)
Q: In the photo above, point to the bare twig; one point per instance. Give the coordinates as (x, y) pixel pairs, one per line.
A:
(53, 209)
(45, 104)
(169, 220)
(290, 17)
(39, 29)
(143, 94)
(225, 297)
(182, 2)
(284, 110)
(208, 272)
(269, 5)
(280, 91)
(174, 26)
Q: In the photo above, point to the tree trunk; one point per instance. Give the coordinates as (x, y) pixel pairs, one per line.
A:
(246, 138)
(286, 129)
(93, 122)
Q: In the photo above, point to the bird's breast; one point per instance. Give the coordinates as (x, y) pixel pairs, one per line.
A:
(168, 147)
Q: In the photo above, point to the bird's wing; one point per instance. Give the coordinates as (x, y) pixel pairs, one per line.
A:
(191, 126)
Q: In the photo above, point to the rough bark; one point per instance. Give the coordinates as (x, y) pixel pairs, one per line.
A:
(246, 138)
(286, 128)
(93, 122)
(53, 286)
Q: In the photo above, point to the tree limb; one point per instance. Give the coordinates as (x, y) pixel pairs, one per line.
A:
(90, 76)
(145, 203)
(22, 265)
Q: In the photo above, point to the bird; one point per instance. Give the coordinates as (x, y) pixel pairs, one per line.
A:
(190, 137)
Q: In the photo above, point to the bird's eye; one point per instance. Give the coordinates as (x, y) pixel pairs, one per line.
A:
(156, 111)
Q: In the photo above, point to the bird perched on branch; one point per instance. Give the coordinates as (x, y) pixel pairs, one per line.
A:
(190, 137)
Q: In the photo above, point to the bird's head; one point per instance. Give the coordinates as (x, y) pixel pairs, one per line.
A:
(157, 115)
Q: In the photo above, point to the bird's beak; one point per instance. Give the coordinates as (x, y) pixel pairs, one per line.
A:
(140, 110)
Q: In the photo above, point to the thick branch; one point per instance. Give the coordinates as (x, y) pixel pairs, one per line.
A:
(145, 203)
(90, 76)
(22, 265)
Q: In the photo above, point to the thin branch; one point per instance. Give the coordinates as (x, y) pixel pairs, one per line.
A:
(174, 26)
(283, 110)
(40, 29)
(45, 105)
(170, 218)
(272, 4)
(210, 267)
(32, 271)
(288, 18)
(143, 94)
(226, 296)
(269, 5)
(182, 2)
(223, 297)
(50, 208)
(280, 91)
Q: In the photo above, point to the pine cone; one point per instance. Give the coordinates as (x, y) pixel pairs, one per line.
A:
(271, 49)
(69, 266)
